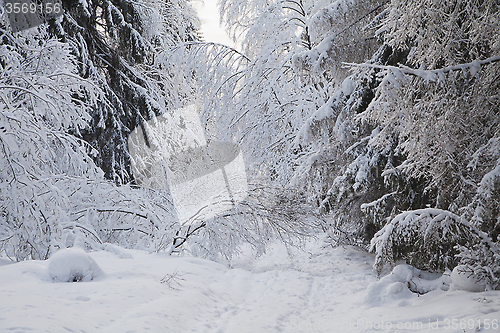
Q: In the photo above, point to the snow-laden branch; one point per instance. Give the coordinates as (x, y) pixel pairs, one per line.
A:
(378, 201)
(34, 93)
(210, 44)
(425, 238)
(431, 75)
(113, 210)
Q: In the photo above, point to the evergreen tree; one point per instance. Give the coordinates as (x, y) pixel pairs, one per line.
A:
(117, 44)
(414, 127)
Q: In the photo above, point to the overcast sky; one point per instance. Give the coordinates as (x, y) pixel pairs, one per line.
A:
(209, 15)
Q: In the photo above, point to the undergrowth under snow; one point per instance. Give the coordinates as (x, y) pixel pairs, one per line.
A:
(285, 290)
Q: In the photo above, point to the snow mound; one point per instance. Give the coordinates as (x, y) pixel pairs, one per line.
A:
(403, 284)
(73, 265)
(118, 251)
(462, 278)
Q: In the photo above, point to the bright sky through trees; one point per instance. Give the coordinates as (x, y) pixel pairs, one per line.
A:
(208, 12)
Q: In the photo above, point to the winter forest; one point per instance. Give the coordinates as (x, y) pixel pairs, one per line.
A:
(365, 126)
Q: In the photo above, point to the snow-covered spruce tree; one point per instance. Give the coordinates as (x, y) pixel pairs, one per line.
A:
(342, 167)
(447, 115)
(116, 44)
(450, 138)
(398, 142)
(444, 123)
(426, 239)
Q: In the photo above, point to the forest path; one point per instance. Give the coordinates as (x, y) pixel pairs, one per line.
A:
(326, 290)
(288, 290)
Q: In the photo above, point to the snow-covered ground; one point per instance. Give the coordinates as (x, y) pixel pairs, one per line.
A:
(315, 290)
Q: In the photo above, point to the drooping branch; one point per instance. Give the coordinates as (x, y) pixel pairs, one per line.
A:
(212, 44)
(434, 74)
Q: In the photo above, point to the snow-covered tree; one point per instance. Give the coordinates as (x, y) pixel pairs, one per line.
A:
(399, 133)
(425, 238)
(52, 193)
(442, 104)
(117, 45)
(341, 167)
(408, 128)
(91, 74)
(269, 101)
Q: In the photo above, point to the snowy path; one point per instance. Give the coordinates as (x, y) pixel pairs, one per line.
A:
(304, 292)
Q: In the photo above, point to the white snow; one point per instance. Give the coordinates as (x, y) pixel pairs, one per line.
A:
(286, 290)
(403, 284)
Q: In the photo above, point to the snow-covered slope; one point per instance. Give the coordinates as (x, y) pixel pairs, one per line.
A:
(286, 290)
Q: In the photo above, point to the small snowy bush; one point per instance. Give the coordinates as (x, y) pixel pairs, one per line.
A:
(425, 238)
(73, 265)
